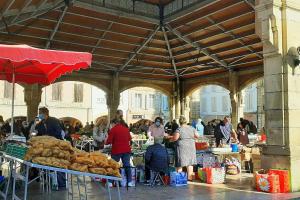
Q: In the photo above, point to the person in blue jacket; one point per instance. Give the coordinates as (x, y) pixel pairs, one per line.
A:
(200, 127)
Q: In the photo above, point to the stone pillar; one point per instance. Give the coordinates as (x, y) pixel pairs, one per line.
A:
(260, 105)
(176, 89)
(187, 108)
(277, 23)
(32, 98)
(113, 97)
(234, 97)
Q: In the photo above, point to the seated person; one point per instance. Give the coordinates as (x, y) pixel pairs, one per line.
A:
(156, 158)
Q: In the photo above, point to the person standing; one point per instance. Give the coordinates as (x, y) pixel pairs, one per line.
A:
(50, 126)
(119, 138)
(200, 127)
(175, 126)
(242, 135)
(185, 148)
(156, 129)
(227, 131)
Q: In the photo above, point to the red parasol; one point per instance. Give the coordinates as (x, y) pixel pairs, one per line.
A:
(25, 64)
(31, 65)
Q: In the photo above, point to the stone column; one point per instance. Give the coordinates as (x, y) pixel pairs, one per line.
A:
(187, 108)
(260, 105)
(32, 98)
(277, 23)
(113, 97)
(234, 97)
(176, 89)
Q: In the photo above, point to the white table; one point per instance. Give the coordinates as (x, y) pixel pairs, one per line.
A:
(15, 163)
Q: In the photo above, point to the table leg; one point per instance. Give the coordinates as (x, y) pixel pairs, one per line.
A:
(108, 189)
(85, 191)
(118, 186)
(14, 180)
(10, 168)
(78, 186)
(26, 182)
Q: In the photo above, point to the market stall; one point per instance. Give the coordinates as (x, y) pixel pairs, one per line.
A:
(51, 156)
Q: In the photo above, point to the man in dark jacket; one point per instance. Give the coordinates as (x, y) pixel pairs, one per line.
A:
(52, 127)
(48, 125)
(156, 158)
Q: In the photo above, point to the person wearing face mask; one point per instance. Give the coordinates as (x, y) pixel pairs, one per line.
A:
(48, 125)
(156, 129)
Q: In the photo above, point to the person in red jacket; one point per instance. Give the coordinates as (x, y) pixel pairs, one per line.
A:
(119, 137)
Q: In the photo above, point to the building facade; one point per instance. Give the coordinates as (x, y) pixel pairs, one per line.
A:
(86, 103)
(144, 103)
(213, 102)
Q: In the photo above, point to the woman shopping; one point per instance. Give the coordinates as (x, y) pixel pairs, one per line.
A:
(119, 138)
(185, 147)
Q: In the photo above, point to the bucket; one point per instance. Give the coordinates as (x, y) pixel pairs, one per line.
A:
(234, 148)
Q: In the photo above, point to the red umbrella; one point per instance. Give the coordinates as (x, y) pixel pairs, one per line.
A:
(25, 64)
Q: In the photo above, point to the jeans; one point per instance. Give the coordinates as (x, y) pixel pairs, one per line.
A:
(126, 163)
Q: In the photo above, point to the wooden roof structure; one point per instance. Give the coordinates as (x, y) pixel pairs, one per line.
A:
(164, 39)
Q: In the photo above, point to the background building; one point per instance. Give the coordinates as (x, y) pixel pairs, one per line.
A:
(213, 102)
(86, 103)
(144, 103)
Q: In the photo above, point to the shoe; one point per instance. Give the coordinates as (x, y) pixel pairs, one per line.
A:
(131, 184)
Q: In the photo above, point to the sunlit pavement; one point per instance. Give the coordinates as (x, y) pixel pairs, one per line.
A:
(235, 189)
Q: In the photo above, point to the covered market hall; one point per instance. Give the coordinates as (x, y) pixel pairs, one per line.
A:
(176, 46)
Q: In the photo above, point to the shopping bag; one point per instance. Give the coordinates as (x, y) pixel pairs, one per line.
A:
(267, 183)
(202, 174)
(215, 175)
(124, 178)
(166, 179)
(178, 179)
(284, 179)
(210, 161)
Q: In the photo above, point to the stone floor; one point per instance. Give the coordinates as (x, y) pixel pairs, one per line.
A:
(236, 188)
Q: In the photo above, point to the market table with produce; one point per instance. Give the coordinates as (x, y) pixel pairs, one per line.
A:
(50, 155)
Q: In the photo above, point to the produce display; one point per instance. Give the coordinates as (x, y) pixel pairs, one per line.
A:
(49, 151)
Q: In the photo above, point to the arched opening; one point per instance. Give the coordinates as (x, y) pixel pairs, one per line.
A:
(77, 100)
(209, 102)
(252, 102)
(20, 108)
(144, 103)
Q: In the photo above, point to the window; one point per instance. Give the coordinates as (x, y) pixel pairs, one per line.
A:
(213, 104)
(7, 90)
(151, 100)
(78, 92)
(224, 104)
(138, 101)
(101, 100)
(249, 102)
(57, 91)
(203, 105)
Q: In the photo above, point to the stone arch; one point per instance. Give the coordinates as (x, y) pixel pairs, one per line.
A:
(195, 87)
(84, 80)
(149, 85)
(251, 80)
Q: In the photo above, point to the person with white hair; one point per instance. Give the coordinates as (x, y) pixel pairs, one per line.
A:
(185, 147)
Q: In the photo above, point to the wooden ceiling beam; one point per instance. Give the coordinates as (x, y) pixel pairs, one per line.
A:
(43, 10)
(198, 47)
(224, 49)
(132, 56)
(217, 34)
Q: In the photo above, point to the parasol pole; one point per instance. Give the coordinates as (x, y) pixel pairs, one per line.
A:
(12, 103)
